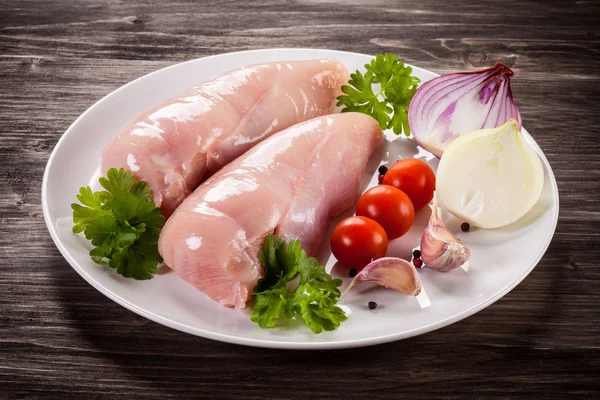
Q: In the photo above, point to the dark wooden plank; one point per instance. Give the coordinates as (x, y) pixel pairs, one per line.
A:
(60, 338)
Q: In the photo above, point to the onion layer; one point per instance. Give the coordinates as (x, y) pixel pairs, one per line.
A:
(450, 105)
(490, 177)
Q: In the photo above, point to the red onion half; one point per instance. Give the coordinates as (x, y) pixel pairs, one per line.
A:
(450, 105)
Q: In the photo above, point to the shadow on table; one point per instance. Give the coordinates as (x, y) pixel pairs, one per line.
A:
(158, 357)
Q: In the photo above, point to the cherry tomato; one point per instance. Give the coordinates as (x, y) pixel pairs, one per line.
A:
(389, 207)
(356, 241)
(413, 177)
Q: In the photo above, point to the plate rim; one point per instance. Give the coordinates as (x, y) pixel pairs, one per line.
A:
(264, 343)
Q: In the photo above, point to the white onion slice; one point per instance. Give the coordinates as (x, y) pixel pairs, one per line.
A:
(450, 105)
(490, 177)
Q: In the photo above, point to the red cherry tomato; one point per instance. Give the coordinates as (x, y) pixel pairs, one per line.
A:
(413, 177)
(389, 207)
(356, 241)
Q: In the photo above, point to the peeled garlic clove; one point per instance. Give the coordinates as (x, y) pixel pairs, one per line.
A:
(490, 177)
(440, 249)
(391, 272)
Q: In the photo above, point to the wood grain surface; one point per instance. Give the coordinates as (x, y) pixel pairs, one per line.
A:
(60, 338)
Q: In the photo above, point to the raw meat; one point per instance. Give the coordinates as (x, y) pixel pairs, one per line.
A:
(291, 185)
(178, 144)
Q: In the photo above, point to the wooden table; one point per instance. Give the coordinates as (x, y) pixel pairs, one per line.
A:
(61, 338)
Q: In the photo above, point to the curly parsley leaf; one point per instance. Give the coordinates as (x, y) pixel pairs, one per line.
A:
(313, 300)
(313, 274)
(317, 308)
(122, 223)
(272, 305)
(389, 104)
(279, 261)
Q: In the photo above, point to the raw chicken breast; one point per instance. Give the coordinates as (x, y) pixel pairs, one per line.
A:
(291, 185)
(178, 144)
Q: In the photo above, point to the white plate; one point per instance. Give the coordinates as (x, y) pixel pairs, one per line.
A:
(500, 259)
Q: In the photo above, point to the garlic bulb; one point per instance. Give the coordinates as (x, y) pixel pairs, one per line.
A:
(440, 249)
(391, 272)
(490, 177)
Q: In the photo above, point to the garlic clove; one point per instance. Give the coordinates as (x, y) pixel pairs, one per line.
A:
(490, 177)
(440, 249)
(391, 272)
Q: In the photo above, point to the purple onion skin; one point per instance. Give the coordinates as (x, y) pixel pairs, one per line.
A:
(451, 88)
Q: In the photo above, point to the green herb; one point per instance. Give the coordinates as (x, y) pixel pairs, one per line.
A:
(313, 300)
(122, 223)
(396, 89)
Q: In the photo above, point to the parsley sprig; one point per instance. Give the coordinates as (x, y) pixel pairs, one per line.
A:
(313, 300)
(122, 223)
(396, 89)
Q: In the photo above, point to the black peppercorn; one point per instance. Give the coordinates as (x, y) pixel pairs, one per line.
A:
(465, 227)
(383, 169)
(372, 305)
(352, 272)
(417, 254)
